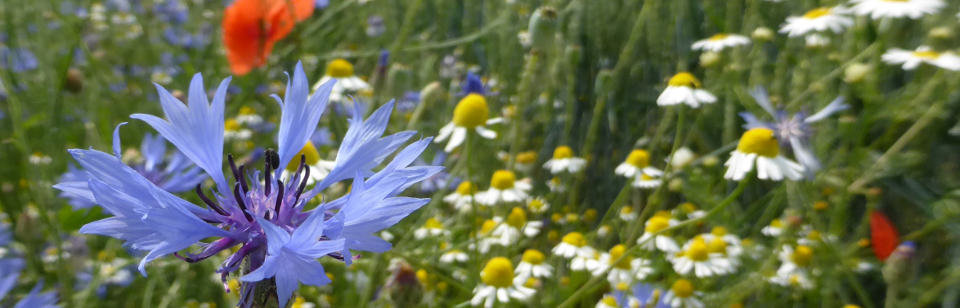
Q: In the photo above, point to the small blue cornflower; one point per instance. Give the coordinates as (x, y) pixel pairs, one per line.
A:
(10, 268)
(792, 131)
(262, 211)
(17, 59)
(173, 173)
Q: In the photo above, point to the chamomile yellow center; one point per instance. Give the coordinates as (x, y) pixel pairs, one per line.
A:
(527, 157)
(487, 226)
(231, 125)
(719, 37)
(802, 256)
(639, 158)
(609, 301)
(697, 250)
(433, 223)
(471, 111)
(615, 253)
(927, 54)
(817, 13)
(760, 141)
(688, 207)
(310, 154)
(657, 224)
(247, 111)
(684, 79)
(498, 273)
(682, 288)
(575, 239)
(533, 256)
(466, 188)
(535, 204)
(562, 152)
(718, 231)
(776, 223)
(626, 210)
(339, 68)
(717, 245)
(517, 218)
(503, 179)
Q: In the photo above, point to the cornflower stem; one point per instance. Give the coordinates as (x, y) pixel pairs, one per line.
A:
(871, 173)
(524, 90)
(587, 150)
(595, 280)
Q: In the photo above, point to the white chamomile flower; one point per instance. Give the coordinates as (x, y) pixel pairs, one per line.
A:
(470, 114)
(608, 301)
(661, 242)
(516, 227)
(233, 131)
(538, 205)
(816, 40)
(681, 158)
(625, 271)
(497, 285)
(318, 168)
(685, 88)
(627, 213)
(683, 295)
(556, 185)
(38, 158)
(533, 265)
(347, 83)
(819, 19)
(431, 228)
(564, 161)
(462, 198)
(913, 9)
(454, 256)
(729, 244)
(761, 146)
(637, 167)
(504, 187)
(912, 59)
(775, 228)
(794, 270)
(720, 41)
(574, 246)
(486, 238)
(697, 257)
(690, 210)
(248, 116)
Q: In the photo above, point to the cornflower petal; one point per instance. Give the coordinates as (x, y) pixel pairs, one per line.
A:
(300, 115)
(196, 129)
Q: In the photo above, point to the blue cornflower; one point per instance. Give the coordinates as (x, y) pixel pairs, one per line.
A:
(321, 4)
(262, 211)
(472, 84)
(793, 131)
(438, 181)
(171, 11)
(174, 174)
(9, 272)
(17, 59)
(409, 101)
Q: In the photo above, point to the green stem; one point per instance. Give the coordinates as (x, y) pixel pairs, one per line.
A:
(524, 91)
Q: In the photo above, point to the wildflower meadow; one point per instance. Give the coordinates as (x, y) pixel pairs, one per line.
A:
(469, 153)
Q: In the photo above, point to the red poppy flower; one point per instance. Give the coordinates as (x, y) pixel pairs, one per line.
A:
(883, 235)
(251, 27)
